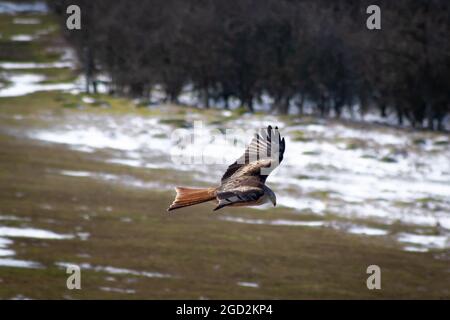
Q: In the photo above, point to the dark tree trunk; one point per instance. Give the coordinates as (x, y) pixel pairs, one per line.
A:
(399, 117)
(250, 104)
(206, 98)
(284, 106)
(383, 110)
(338, 108)
(137, 90)
(226, 99)
(301, 104)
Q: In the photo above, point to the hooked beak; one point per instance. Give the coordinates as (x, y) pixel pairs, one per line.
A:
(271, 195)
(273, 199)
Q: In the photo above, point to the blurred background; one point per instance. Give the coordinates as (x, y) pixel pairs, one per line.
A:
(86, 146)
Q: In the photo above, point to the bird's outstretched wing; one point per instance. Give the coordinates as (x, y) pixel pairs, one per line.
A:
(266, 151)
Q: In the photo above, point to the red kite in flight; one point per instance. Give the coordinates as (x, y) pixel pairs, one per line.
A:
(243, 184)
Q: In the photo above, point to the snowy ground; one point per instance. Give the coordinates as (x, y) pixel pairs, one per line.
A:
(350, 178)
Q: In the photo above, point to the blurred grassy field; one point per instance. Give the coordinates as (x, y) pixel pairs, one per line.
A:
(129, 228)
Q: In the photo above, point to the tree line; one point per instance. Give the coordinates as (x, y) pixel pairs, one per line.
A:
(313, 53)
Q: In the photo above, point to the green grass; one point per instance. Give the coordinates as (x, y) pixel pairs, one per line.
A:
(320, 194)
(419, 141)
(441, 143)
(36, 50)
(9, 28)
(311, 153)
(52, 75)
(179, 123)
(388, 159)
(299, 135)
(368, 156)
(26, 51)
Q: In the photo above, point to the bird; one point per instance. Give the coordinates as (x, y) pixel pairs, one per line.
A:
(244, 182)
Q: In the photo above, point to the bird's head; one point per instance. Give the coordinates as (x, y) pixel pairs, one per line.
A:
(271, 195)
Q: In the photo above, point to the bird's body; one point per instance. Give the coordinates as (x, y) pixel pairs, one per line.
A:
(243, 184)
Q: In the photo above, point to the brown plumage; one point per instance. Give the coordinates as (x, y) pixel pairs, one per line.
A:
(243, 184)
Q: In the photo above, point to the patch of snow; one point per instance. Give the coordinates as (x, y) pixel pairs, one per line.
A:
(415, 249)
(277, 222)
(7, 262)
(248, 284)
(367, 231)
(118, 290)
(21, 7)
(114, 270)
(23, 84)
(75, 173)
(35, 65)
(87, 100)
(32, 233)
(426, 241)
(22, 37)
(26, 21)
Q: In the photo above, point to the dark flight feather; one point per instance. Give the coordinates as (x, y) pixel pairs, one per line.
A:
(260, 148)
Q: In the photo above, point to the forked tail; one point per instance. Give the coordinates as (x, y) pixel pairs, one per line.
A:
(189, 196)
